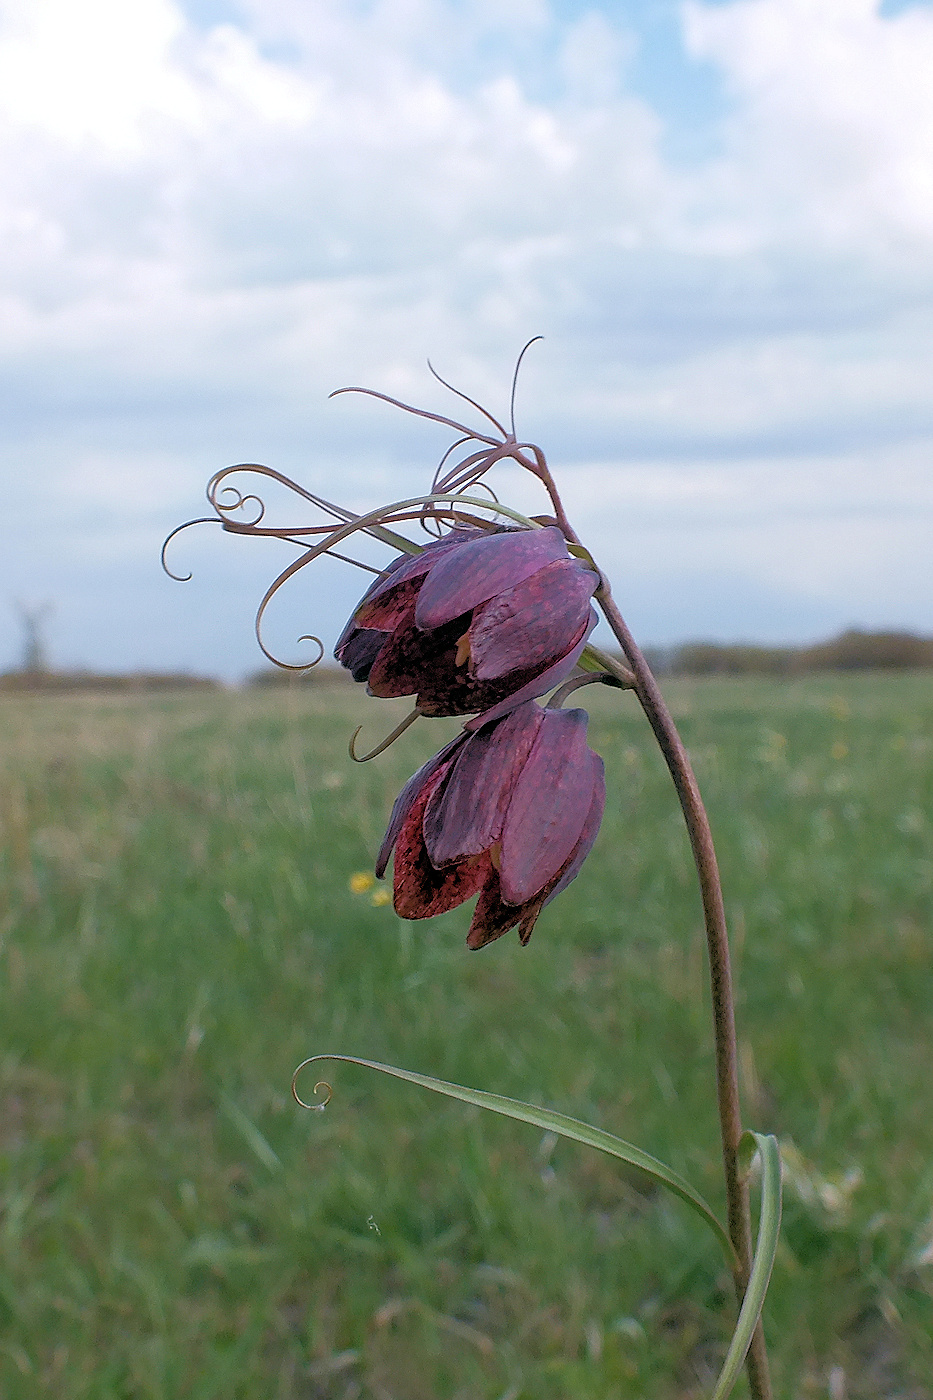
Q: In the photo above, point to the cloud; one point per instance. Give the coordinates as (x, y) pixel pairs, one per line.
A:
(832, 130)
(206, 226)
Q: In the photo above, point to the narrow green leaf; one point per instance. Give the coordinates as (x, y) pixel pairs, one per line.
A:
(399, 542)
(454, 498)
(555, 1123)
(769, 1226)
(590, 661)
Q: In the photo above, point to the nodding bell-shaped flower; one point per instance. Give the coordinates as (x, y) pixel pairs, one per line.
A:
(477, 622)
(509, 811)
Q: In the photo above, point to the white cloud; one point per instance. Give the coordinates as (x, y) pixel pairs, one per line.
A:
(202, 230)
(832, 133)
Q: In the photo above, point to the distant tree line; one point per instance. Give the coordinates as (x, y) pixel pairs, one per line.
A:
(65, 682)
(853, 650)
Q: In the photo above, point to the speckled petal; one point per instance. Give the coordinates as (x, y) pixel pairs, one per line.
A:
(462, 580)
(408, 795)
(420, 890)
(359, 650)
(538, 684)
(493, 916)
(400, 583)
(409, 655)
(392, 607)
(587, 836)
(464, 815)
(534, 622)
(549, 806)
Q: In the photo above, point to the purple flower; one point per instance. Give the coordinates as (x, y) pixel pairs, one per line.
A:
(476, 622)
(509, 812)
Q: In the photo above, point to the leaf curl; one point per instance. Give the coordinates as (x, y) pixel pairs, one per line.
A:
(561, 1124)
(752, 1144)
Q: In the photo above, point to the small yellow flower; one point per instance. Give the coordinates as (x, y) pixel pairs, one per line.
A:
(362, 881)
(840, 750)
(380, 898)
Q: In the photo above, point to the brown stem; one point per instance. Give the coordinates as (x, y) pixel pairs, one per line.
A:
(727, 1080)
(539, 468)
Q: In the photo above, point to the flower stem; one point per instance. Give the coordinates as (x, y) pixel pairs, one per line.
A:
(727, 1081)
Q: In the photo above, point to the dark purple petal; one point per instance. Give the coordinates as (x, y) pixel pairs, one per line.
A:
(380, 600)
(532, 623)
(359, 650)
(587, 836)
(420, 890)
(385, 580)
(412, 658)
(392, 607)
(549, 806)
(408, 795)
(491, 917)
(538, 684)
(531, 910)
(462, 580)
(426, 662)
(465, 814)
(409, 656)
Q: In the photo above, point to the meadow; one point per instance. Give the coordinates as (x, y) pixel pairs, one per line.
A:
(186, 917)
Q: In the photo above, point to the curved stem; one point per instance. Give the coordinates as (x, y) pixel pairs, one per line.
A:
(592, 678)
(727, 1079)
(542, 471)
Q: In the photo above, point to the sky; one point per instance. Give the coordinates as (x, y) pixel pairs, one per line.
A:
(717, 213)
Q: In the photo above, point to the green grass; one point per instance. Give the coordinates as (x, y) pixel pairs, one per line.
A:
(179, 931)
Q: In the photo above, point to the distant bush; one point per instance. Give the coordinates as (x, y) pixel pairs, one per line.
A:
(69, 682)
(863, 651)
(708, 659)
(852, 651)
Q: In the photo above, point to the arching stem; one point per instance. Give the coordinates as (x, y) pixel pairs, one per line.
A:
(727, 1079)
(594, 678)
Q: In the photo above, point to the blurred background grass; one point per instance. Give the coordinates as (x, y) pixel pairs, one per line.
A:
(181, 926)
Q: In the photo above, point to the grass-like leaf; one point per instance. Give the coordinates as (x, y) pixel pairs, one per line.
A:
(766, 1146)
(553, 1122)
(769, 1226)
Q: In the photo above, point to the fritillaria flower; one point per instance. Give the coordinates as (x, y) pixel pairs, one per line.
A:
(479, 621)
(509, 812)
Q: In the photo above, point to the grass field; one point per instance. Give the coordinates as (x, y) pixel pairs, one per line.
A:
(180, 928)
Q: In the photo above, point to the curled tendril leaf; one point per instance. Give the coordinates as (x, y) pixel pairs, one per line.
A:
(201, 520)
(445, 508)
(558, 1123)
(321, 1086)
(467, 470)
(448, 504)
(412, 508)
(309, 637)
(466, 399)
(764, 1146)
(389, 740)
(518, 364)
(239, 502)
